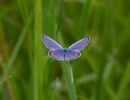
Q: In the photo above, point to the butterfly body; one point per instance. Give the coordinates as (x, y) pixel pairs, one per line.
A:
(64, 54)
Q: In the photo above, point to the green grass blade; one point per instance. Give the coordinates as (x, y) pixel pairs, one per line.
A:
(37, 47)
(52, 18)
(67, 71)
(23, 8)
(124, 81)
(85, 17)
(18, 45)
(15, 51)
(109, 91)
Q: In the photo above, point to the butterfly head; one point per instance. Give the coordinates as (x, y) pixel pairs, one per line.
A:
(65, 50)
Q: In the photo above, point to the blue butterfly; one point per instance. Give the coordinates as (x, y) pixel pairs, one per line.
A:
(64, 54)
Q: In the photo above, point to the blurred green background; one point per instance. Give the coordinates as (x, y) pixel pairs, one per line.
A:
(101, 73)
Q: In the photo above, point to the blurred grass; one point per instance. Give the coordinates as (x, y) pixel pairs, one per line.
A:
(101, 73)
(68, 74)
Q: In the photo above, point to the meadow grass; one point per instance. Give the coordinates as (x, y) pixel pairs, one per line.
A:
(101, 73)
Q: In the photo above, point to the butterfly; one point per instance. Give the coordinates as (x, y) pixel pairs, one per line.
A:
(64, 54)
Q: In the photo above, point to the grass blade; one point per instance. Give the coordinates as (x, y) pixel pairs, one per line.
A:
(69, 80)
(37, 51)
(124, 81)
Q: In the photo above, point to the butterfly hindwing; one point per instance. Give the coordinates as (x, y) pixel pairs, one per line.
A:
(72, 55)
(56, 54)
(64, 56)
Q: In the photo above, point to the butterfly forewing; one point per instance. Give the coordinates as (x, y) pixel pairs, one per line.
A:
(79, 45)
(50, 43)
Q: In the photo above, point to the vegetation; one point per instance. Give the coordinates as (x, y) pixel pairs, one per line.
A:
(28, 73)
